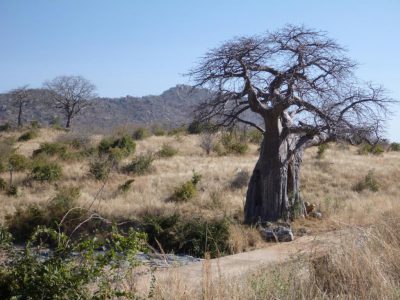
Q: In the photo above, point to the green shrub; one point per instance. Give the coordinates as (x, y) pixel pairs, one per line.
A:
(140, 134)
(29, 135)
(26, 219)
(29, 276)
(321, 150)
(5, 127)
(126, 186)
(178, 131)
(368, 182)
(371, 149)
(395, 147)
(167, 151)
(51, 149)
(117, 148)
(140, 165)
(194, 236)
(5, 239)
(6, 150)
(18, 162)
(255, 136)
(233, 144)
(46, 171)
(187, 190)
(100, 169)
(158, 131)
(195, 127)
(3, 184)
(35, 124)
(12, 190)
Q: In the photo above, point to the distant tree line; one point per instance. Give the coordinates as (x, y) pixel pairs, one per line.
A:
(69, 94)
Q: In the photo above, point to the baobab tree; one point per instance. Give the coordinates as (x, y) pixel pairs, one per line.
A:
(296, 86)
(71, 94)
(19, 98)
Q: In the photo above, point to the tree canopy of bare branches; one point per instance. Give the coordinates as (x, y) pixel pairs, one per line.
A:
(302, 87)
(71, 94)
(19, 97)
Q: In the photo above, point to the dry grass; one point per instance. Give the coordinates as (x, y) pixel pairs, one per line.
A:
(327, 182)
(365, 267)
(365, 264)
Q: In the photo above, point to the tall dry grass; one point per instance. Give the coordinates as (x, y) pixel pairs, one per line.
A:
(365, 264)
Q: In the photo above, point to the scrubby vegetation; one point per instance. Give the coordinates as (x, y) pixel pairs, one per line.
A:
(29, 135)
(44, 171)
(192, 236)
(117, 148)
(371, 149)
(167, 151)
(187, 190)
(58, 276)
(140, 165)
(179, 214)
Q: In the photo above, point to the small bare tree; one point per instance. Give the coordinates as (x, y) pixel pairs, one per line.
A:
(71, 94)
(19, 98)
(298, 88)
(207, 141)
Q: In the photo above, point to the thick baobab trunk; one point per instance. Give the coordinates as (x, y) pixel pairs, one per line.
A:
(273, 191)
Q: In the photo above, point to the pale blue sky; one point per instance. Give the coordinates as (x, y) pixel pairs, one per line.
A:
(144, 47)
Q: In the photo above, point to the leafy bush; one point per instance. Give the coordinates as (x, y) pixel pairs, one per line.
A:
(29, 135)
(369, 182)
(18, 162)
(3, 184)
(5, 127)
(46, 171)
(12, 190)
(395, 147)
(241, 180)
(371, 149)
(178, 131)
(117, 148)
(321, 150)
(195, 127)
(158, 131)
(51, 149)
(126, 186)
(140, 165)
(26, 219)
(100, 169)
(195, 236)
(28, 276)
(140, 134)
(233, 144)
(187, 190)
(6, 150)
(35, 124)
(167, 151)
(255, 136)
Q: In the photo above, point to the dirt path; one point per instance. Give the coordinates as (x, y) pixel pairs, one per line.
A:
(191, 276)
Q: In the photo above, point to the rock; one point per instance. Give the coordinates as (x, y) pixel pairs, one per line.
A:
(316, 214)
(277, 234)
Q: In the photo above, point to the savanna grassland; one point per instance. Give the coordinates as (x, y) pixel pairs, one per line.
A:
(156, 177)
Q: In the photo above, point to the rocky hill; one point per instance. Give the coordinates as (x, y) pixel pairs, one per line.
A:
(172, 108)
